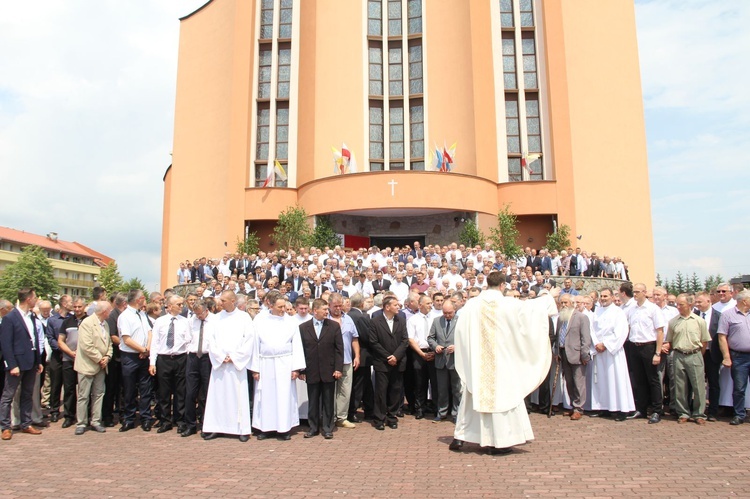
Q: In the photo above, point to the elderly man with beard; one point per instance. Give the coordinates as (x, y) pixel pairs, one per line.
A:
(573, 344)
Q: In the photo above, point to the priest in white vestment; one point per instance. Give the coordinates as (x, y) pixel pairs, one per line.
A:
(502, 353)
(230, 344)
(611, 390)
(276, 361)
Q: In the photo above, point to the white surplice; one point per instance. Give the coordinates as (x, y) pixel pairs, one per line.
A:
(302, 401)
(277, 351)
(499, 365)
(610, 387)
(228, 399)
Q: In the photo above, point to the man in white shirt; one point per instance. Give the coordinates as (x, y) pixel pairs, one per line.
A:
(168, 361)
(399, 288)
(421, 356)
(198, 368)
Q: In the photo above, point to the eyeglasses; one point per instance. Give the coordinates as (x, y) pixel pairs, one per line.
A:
(722, 291)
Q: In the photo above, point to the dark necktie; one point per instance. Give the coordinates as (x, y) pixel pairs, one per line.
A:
(703, 315)
(170, 334)
(200, 341)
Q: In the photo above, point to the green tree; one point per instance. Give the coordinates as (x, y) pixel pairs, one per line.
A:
(559, 240)
(679, 284)
(135, 283)
(471, 235)
(110, 278)
(694, 283)
(324, 235)
(32, 270)
(292, 229)
(250, 245)
(658, 281)
(505, 234)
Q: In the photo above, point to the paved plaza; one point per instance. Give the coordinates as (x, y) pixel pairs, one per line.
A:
(587, 458)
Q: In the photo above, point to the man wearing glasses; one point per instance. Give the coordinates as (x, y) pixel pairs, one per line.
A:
(724, 292)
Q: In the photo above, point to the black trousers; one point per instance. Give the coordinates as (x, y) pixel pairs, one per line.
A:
(70, 382)
(26, 380)
(387, 395)
(135, 381)
(424, 374)
(320, 410)
(545, 389)
(251, 391)
(197, 376)
(407, 384)
(644, 377)
(170, 369)
(54, 367)
(714, 387)
(112, 390)
(362, 391)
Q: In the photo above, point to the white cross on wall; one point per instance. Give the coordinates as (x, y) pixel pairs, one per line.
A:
(393, 185)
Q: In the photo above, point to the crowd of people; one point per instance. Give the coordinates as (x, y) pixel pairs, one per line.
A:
(337, 337)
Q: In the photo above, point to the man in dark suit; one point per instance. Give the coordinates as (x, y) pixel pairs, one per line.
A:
(197, 273)
(22, 361)
(441, 342)
(380, 285)
(572, 346)
(323, 345)
(595, 267)
(362, 390)
(388, 343)
(712, 356)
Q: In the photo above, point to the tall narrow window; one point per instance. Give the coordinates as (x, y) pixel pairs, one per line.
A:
(266, 20)
(513, 131)
(416, 134)
(261, 172)
(377, 140)
(285, 20)
(414, 10)
(376, 68)
(282, 130)
(374, 18)
(396, 135)
(264, 123)
(264, 71)
(529, 60)
(395, 69)
(534, 135)
(394, 17)
(285, 66)
(509, 61)
(506, 13)
(527, 13)
(415, 67)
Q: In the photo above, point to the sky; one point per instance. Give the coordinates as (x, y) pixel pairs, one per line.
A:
(87, 92)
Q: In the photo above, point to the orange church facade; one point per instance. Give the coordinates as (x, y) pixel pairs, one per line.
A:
(534, 104)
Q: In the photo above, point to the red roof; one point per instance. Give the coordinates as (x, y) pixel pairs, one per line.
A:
(67, 247)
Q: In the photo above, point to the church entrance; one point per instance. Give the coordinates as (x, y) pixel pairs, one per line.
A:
(392, 241)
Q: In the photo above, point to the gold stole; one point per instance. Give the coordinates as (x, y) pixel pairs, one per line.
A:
(487, 348)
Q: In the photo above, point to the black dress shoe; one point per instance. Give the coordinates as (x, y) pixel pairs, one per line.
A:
(311, 434)
(41, 424)
(284, 436)
(456, 445)
(165, 428)
(655, 418)
(636, 415)
(109, 424)
(328, 436)
(500, 451)
(711, 419)
(619, 417)
(188, 431)
(400, 413)
(54, 417)
(244, 438)
(379, 426)
(419, 415)
(354, 419)
(127, 426)
(210, 436)
(262, 436)
(146, 426)
(736, 421)
(67, 423)
(181, 428)
(393, 425)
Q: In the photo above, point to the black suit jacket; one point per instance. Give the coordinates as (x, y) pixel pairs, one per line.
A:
(383, 343)
(322, 356)
(713, 327)
(16, 346)
(363, 323)
(378, 288)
